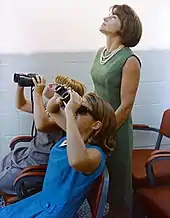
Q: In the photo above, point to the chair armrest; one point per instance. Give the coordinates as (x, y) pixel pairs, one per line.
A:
(10, 199)
(97, 196)
(27, 184)
(38, 168)
(149, 165)
(104, 194)
(140, 126)
(162, 151)
(32, 174)
(18, 139)
(144, 127)
(30, 181)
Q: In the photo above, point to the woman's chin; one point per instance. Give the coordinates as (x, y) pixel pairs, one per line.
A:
(102, 30)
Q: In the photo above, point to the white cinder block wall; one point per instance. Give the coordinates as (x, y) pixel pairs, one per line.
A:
(31, 26)
(152, 97)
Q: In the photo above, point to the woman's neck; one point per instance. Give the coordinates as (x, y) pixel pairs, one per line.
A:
(112, 43)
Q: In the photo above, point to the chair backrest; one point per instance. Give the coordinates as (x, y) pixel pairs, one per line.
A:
(164, 128)
(97, 197)
(165, 124)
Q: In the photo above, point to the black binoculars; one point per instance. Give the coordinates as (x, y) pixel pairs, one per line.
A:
(24, 80)
(63, 92)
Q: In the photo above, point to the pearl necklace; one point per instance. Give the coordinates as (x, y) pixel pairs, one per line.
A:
(105, 58)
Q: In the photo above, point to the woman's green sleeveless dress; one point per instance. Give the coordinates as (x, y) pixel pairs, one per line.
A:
(107, 84)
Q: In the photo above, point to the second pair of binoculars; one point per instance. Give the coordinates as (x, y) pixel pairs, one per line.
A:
(63, 92)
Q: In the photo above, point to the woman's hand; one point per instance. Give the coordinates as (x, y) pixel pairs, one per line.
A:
(54, 104)
(74, 103)
(40, 84)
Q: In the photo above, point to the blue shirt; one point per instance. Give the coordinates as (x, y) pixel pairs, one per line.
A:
(63, 192)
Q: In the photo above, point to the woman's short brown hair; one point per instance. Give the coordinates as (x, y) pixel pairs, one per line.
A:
(131, 26)
(102, 110)
(77, 86)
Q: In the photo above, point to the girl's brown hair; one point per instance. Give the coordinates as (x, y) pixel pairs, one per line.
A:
(77, 86)
(102, 111)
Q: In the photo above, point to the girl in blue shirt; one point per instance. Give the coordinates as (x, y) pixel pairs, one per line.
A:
(74, 162)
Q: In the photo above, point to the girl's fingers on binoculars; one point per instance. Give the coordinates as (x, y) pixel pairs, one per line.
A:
(38, 78)
(69, 90)
(66, 87)
(64, 103)
(43, 81)
(55, 96)
(34, 81)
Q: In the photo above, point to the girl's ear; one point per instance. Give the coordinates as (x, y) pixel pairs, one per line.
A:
(96, 125)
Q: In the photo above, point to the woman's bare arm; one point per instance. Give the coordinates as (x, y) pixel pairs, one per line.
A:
(21, 102)
(129, 86)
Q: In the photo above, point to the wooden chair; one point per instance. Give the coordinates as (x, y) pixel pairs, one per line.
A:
(154, 201)
(140, 156)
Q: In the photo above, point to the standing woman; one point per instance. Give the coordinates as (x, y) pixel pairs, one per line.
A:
(115, 73)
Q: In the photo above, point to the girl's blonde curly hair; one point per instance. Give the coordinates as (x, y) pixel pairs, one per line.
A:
(77, 86)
